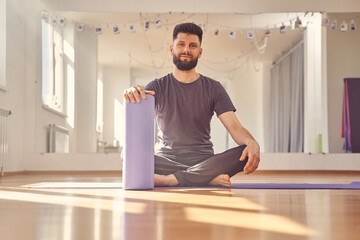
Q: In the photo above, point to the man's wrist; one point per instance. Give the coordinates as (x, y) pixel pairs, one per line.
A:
(251, 141)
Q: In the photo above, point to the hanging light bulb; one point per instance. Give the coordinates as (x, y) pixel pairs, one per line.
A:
(292, 25)
(80, 27)
(333, 25)
(116, 29)
(98, 29)
(282, 28)
(158, 23)
(343, 26)
(325, 22)
(54, 21)
(45, 16)
(250, 35)
(147, 25)
(232, 34)
(132, 28)
(298, 23)
(267, 32)
(62, 22)
(352, 25)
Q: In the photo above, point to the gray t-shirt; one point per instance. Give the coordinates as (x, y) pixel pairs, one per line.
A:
(184, 112)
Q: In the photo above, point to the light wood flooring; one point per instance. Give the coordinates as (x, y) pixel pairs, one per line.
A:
(185, 214)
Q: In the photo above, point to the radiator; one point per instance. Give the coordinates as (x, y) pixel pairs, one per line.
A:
(4, 145)
(57, 139)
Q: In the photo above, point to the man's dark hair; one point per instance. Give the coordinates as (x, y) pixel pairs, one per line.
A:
(190, 28)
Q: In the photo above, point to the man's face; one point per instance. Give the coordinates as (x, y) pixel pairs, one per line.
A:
(185, 51)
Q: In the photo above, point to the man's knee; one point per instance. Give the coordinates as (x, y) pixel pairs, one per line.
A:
(237, 150)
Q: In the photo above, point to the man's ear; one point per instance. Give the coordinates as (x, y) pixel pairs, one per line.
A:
(171, 48)
(200, 53)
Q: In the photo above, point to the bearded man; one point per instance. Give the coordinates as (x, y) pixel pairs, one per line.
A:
(185, 102)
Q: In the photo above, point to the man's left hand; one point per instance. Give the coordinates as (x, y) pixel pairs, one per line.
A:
(252, 151)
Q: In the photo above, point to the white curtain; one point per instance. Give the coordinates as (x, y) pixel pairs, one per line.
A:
(287, 103)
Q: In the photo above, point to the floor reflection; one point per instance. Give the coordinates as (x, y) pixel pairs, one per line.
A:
(177, 214)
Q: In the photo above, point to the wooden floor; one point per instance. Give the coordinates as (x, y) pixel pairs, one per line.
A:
(185, 214)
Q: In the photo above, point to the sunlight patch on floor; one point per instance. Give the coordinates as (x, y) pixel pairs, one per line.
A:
(251, 220)
(203, 197)
(66, 200)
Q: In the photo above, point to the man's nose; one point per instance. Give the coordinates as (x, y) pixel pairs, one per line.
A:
(186, 49)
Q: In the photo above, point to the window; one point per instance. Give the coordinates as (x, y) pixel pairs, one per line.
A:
(53, 82)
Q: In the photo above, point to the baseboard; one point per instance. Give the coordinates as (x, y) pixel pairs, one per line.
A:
(269, 161)
(85, 172)
(8, 174)
(304, 161)
(119, 172)
(69, 173)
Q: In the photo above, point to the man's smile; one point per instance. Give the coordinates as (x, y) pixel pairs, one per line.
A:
(186, 56)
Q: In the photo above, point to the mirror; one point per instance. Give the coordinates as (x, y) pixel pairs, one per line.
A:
(88, 59)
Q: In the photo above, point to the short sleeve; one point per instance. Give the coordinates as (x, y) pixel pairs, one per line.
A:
(154, 86)
(222, 101)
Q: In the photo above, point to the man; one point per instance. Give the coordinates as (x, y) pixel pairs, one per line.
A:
(184, 104)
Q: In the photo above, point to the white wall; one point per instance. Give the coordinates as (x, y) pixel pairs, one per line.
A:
(2, 42)
(85, 97)
(115, 80)
(266, 100)
(13, 99)
(246, 91)
(343, 58)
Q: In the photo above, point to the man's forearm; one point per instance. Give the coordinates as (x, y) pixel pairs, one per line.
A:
(242, 136)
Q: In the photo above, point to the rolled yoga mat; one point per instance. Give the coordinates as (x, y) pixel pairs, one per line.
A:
(138, 165)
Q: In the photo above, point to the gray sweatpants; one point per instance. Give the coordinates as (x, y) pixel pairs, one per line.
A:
(202, 173)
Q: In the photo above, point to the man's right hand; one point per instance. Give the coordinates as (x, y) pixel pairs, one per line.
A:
(133, 94)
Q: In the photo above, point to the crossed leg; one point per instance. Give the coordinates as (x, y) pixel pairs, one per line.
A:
(216, 170)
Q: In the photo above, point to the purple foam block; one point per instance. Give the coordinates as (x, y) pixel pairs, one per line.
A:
(138, 165)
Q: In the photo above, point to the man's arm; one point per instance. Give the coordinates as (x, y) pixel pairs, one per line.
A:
(241, 136)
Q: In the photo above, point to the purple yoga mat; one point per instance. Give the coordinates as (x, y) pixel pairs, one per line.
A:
(138, 165)
(118, 185)
(353, 185)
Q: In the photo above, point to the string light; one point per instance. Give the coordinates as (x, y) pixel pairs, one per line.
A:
(215, 29)
(60, 21)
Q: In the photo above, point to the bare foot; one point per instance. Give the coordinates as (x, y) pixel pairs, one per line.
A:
(165, 180)
(223, 180)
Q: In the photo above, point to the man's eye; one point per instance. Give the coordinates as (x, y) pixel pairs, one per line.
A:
(194, 46)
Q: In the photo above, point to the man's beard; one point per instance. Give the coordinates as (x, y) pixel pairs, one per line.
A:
(184, 65)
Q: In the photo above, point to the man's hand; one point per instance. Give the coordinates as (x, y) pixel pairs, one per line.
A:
(252, 151)
(133, 94)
